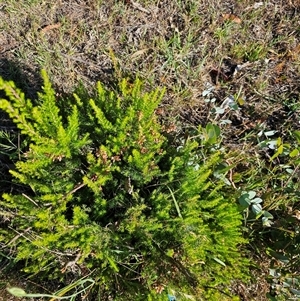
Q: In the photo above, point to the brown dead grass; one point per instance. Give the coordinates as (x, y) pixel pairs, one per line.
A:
(183, 45)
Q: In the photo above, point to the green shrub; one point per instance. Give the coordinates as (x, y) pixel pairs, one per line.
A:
(107, 192)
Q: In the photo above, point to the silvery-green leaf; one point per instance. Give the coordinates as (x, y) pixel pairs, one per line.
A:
(295, 292)
(256, 208)
(272, 144)
(266, 222)
(268, 214)
(270, 133)
(16, 291)
(256, 201)
(225, 122)
(218, 110)
(205, 93)
(251, 194)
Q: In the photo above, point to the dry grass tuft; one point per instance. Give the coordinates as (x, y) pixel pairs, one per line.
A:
(246, 49)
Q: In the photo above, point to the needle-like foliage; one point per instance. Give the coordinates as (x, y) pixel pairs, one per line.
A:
(108, 192)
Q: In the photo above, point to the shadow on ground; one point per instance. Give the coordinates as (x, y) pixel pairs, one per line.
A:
(25, 77)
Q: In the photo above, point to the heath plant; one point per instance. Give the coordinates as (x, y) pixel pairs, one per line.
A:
(107, 192)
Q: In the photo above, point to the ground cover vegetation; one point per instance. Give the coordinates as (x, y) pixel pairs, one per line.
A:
(226, 129)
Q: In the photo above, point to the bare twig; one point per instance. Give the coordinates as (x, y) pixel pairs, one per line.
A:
(71, 264)
(31, 200)
(139, 7)
(19, 235)
(292, 174)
